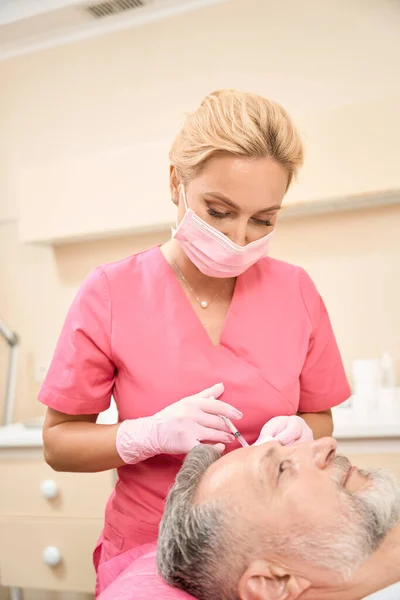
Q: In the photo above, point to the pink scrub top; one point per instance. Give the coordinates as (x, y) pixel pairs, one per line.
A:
(140, 580)
(132, 333)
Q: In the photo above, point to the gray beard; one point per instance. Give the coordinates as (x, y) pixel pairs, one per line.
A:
(377, 506)
(365, 518)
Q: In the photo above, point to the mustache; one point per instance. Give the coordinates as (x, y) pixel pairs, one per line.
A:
(339, 468)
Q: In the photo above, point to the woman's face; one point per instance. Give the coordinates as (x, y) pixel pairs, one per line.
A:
(240, 197)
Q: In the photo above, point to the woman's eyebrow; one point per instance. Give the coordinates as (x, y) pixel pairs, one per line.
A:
(229, 202)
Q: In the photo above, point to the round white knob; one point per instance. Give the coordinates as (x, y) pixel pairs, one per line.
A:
(49, 489)
(52, 556)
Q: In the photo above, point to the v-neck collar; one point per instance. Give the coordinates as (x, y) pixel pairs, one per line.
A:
(188, 308)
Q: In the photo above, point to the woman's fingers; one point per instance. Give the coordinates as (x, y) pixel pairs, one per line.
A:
(218, 407)
(214, 391)
(212, 421)
(205, 434)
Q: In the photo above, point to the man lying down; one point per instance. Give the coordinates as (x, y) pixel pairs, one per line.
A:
(271, 522)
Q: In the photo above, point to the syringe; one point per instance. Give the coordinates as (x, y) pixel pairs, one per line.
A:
(235, 432)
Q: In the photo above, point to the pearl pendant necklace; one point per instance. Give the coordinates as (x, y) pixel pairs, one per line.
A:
(203, 303)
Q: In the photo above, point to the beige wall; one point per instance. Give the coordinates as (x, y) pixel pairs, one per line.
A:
(80, 120)
(354, 259)
(132, 87)
(350, 151)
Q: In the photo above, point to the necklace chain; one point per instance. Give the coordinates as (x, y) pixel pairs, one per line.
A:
(203, 303)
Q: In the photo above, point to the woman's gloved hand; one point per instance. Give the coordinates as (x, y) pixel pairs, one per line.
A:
(177, 428)
(287, 430)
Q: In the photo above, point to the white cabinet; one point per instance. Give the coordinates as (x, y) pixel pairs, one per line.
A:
(26, 561)
(49, 523)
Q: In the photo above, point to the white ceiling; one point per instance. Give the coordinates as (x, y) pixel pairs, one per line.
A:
(310, 55)
(27, 26)
(14, 10)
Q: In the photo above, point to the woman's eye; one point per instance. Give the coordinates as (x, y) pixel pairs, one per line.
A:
(266, 223)
(217, 215)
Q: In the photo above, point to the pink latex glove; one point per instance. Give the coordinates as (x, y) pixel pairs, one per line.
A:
(287, 430)
(177, 428)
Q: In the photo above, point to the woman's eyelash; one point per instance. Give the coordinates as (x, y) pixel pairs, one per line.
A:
(266, 223)
(217, 215)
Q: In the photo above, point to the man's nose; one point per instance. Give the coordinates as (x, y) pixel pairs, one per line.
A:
(323, 452)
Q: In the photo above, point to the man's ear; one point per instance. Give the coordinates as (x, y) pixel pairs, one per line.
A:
(173, 185)
(263, 581)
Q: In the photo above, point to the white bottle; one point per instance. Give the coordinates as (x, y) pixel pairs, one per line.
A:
(389, 406)
(389, 379)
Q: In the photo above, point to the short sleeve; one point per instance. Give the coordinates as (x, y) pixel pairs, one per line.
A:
(323, 382)
(81, 375)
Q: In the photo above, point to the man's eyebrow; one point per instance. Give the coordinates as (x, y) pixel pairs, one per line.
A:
(267, 462)
(269, 454)
(233, 205)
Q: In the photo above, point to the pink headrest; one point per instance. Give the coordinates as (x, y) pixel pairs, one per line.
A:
(141, 581)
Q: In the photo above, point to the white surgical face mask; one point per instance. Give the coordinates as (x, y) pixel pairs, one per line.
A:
(212, 252)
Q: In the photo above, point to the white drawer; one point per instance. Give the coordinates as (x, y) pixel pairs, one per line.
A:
(23, 541)
(76, 494)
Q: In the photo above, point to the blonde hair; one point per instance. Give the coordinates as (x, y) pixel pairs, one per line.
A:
(237, 123)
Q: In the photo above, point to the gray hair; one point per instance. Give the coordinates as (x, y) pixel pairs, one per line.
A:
(193, 538)
(204, 548)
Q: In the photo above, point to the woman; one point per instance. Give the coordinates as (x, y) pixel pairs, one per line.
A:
(207, 325)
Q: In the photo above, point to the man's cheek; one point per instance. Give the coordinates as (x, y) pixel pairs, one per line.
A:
(313, 503)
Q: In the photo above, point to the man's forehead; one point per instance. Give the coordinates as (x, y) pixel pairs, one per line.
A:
(222, 475)
(235, 470)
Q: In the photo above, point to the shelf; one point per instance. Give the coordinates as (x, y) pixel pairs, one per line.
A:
(120, 227)
(289, 212)
(340, 205)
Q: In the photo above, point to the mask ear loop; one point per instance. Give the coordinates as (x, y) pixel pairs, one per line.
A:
(184, 196)
(174, 229)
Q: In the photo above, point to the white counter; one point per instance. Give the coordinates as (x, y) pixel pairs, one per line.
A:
(390, 593)
(368, 431)
(29, 434)
(20, 436)
(377, 434)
